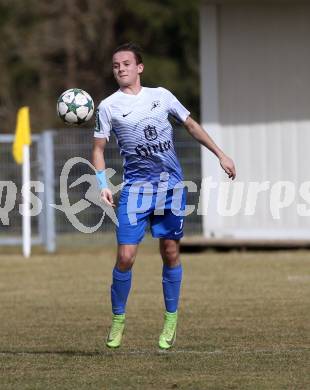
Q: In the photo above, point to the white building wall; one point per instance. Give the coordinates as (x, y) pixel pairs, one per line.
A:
(255, 69)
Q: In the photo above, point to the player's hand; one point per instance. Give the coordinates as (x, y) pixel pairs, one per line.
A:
(228, 165)
(106, 197)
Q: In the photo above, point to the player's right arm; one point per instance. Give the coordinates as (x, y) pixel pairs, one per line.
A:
(99, 164)
(102, 129)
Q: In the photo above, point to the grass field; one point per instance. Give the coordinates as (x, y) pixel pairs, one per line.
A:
(244, 322)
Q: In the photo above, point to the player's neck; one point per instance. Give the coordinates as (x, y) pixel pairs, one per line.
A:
(132, 89)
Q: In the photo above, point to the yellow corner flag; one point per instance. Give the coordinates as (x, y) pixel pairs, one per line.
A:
(22, 134)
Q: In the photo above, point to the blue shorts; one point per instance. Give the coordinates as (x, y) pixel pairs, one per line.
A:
(165, 211)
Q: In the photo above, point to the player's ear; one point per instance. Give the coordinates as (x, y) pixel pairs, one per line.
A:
(140, 68)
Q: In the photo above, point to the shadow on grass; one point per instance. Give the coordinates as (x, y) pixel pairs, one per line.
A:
(106, 352)
(153, 352)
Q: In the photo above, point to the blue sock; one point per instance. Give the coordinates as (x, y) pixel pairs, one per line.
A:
(172, 278)
(119, 290)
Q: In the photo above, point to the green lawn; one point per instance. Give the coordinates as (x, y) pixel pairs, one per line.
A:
(243, 324)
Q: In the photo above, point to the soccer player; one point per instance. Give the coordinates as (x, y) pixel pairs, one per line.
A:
(138, 117)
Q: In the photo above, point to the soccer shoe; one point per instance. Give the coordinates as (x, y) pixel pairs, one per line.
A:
(115, 335)
(168, 335)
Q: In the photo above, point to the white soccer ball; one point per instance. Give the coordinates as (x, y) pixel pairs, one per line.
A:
(75, 106)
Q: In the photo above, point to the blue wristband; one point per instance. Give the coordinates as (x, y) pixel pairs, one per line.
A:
(101, 179)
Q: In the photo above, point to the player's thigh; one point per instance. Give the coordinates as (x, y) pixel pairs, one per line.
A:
(168, 223)
(169, 226)
(132, 220)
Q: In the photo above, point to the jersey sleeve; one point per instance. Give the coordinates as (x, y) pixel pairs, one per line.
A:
(103, 125)
(175, 108)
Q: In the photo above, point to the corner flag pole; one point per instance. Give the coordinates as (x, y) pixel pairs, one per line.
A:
(21, 155)
(26, 202)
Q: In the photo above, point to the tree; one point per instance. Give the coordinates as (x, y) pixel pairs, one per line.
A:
(47, 47)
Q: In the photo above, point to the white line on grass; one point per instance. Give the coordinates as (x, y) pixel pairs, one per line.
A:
(298, 278)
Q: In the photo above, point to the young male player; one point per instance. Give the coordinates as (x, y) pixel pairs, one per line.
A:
(138, 117)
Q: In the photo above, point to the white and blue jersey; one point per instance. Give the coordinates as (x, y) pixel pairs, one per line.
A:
(144, 134)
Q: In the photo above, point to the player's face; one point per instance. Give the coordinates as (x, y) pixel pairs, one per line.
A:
(125, 68)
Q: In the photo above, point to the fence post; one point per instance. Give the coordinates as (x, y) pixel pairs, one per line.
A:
(47, 160)
(41, 216)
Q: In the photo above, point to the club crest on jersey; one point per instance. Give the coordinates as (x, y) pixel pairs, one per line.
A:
(155, 103)
(150, 133)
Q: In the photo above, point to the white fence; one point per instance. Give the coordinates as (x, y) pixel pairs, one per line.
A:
(42, 170)
(49, 153)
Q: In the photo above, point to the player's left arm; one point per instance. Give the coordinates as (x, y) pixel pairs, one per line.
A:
(197, 132)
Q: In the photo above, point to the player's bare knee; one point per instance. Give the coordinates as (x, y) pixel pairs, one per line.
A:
(125, 258)
(125, 261)
(170, 253)
(124, 266)
(171, 261)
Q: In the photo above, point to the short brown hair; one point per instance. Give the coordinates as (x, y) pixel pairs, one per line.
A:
(134, 48)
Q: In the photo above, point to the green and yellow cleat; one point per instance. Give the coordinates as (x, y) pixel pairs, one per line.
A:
(168, 335)
(115, 335)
